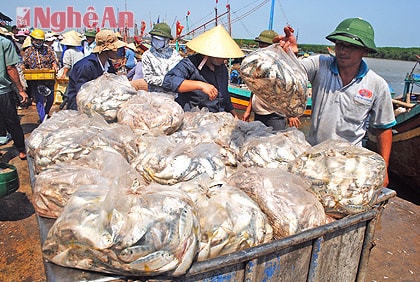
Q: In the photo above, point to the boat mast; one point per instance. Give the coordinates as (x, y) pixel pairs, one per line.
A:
(229, 26)
(215, 12)
(270, 23)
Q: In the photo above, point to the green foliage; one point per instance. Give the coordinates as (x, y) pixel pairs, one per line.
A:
(391, 53)
(397, 53)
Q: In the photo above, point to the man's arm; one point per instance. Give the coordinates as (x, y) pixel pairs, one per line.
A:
(14, 76)
(384, 139)
(247, 113)
(192, 85)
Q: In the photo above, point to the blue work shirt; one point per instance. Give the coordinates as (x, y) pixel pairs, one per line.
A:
(130, 56)
(187, 68)
(84, 70)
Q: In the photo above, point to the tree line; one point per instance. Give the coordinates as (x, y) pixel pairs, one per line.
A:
(390, 53)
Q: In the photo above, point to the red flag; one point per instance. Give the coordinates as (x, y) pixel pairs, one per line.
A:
(188, 13)
(143, 27)
(179, 28)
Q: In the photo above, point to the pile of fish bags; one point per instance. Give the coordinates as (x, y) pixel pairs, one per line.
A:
(277, 78)
(143, 202)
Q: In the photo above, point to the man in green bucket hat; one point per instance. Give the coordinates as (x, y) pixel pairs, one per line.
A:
(89, 42)
(265, 38)
(160, 58)
(347, 96)
(355, 31)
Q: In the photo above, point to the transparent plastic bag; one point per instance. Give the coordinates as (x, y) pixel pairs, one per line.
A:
(277, 78)
(104, 95)
(285, 198)
(157, 112)
(125, 227)
(345, 177)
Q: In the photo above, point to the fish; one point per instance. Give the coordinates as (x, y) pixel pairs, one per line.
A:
(345, 177)
(225, 214)
(104, 96)
(153, 261)
(157, 112)
(135, 252)
(277, 78)
(285, 199)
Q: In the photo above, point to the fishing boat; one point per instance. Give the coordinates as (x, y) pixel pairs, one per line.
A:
(404, 160)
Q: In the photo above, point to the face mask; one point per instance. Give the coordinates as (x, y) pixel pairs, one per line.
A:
(160, 43)
(38, 45)
(217, 61)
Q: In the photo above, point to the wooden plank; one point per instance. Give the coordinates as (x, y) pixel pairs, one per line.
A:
(289, 264)
(239, 101)
(231, 273)
(401, 103)
(338, 254)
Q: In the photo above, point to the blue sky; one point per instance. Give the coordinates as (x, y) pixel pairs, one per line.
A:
(396, 23)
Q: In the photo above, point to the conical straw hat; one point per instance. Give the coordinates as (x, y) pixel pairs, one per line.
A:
(73, 33)
(132, 46)
(71, 40)
(216, 42)
(26, 42)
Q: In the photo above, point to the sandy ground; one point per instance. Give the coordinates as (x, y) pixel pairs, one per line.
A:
(396, 256)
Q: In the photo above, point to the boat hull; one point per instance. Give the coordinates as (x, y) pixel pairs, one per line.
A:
(239, 96)
(404, 161)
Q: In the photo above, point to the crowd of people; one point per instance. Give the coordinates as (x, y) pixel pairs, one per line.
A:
(346, 95)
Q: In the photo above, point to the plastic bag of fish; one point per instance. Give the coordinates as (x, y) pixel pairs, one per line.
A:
(277, 78)
(165, 161)
(274, 151)
(346, 178)
(285, 198)
(55, 185)
(104, 95)
(221, 128)
(230, 220)
(69, 135)
(147, 111)
(138, 230)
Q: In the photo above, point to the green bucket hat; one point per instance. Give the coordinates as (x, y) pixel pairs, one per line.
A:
(266, 36)
(162, 29)
(90, 33)
(355, 31)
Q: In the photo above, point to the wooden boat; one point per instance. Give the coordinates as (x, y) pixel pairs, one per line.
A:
(240, 96)
(404, 159)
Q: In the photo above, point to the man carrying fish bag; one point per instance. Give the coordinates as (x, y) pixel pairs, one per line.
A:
(262, 111)
(346, 94)
(94, 65)
(201, 80)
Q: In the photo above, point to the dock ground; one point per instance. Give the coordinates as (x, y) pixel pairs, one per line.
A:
(395, 257)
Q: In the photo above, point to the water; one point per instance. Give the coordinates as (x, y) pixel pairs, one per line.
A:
(393, 71)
